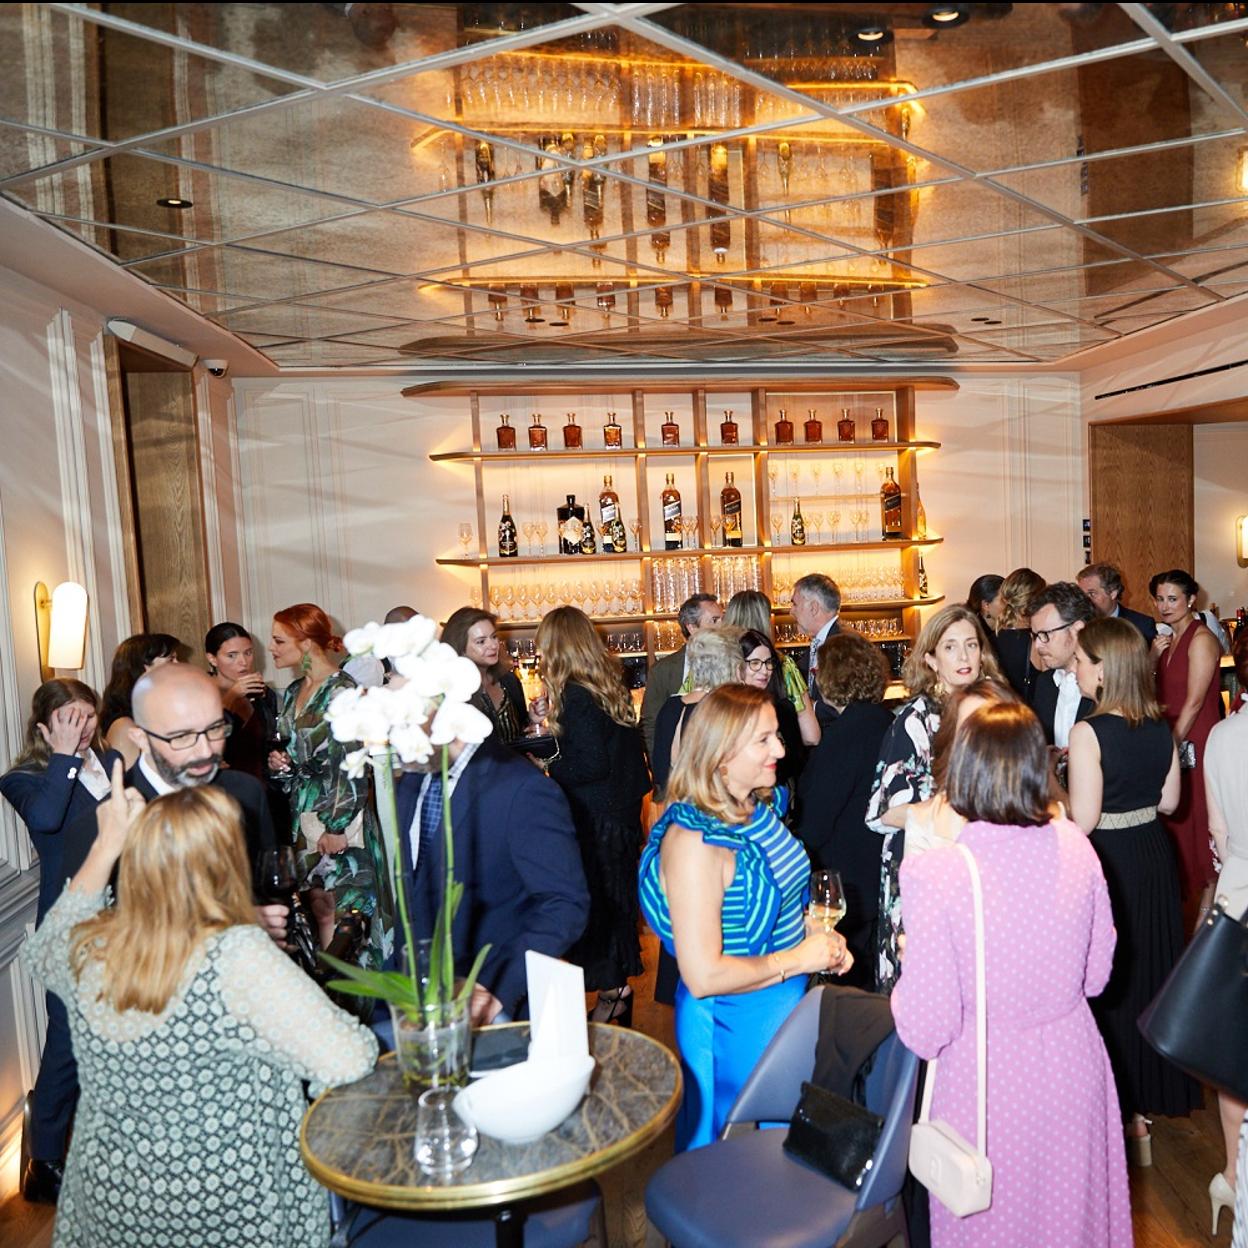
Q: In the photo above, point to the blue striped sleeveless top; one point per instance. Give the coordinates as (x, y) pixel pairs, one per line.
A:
(763, 906)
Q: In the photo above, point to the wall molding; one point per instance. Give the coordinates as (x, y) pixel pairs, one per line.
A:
(208, 496)
(16, 850)
(113, 533)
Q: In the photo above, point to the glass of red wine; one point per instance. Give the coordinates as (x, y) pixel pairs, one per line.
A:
(277, 877)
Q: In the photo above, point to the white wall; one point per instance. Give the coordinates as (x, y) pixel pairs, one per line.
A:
(58, 521)
(1220, 457)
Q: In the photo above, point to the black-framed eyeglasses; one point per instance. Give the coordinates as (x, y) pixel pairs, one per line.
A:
(1045, 634)
(761, 665)
(186, 740)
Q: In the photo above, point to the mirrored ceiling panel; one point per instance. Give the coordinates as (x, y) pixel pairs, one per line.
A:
(1198, 227)
(1185, 17)
(22, 151)
(1224, 59)
(293, 320)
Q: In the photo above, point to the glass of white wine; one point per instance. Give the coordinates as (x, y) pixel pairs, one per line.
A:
(827, 905)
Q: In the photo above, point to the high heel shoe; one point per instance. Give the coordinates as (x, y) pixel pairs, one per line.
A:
(1221, 1196)
(619, 1008)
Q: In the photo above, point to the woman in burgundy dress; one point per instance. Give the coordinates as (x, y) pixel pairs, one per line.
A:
(1187, 688)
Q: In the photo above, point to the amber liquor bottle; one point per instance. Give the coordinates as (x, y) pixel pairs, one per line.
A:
(508, 547)
(572, 433)
(669, 431)
(614, 535)
(612, 432)
(570, 526)
(730, 509)
(537, 433)
(505, 434)
(670, 499)
(797, 526)
(784, 429)
(920, 516)
(845, 428)
(879, 426)
(729, 434)
(890, 507)
(814, 427)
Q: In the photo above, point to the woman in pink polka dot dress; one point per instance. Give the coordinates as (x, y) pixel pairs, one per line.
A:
(1054, 1130)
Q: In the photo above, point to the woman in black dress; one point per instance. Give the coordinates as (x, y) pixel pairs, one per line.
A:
(135, 655)
(1124, 772)
(601, 767)
(250, 705)
(474, 634)
(1013, 635)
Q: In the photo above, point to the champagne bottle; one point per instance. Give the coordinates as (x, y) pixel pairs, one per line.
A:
(508, 547)
(730, 509)
(920, 516)
(670, 498)
(589, 540)
(890, 507)
(797, 526)
(923, 586)
(570, 523)
(614, 535)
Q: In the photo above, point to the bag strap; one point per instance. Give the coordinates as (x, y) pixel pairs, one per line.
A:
(981, 1017)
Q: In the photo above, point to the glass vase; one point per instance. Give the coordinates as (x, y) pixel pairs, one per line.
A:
(434, 1050)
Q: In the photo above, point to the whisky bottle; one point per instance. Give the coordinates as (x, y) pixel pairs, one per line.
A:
(784, 429)
(670, 499)
(670, 430)
(508, 547)
(505, 434)
(797, 526)
(920, 516)
(614, 535)
(572, 433)
(730, 509)
(612, 431)
(879, 426)
(845, 428)
(729, 434)
(890, 507)
(923, 586)
(537, 433)
(814, 427)
(570, 524)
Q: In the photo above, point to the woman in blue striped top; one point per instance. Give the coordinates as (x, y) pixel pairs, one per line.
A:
(724, 884)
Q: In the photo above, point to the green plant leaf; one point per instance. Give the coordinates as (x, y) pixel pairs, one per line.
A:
(466, 991)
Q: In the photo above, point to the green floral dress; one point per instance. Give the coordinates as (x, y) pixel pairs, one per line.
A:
(323, 798)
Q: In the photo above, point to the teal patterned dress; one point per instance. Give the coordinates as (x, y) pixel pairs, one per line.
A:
(323, 798)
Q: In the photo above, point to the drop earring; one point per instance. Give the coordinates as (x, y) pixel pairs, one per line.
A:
(305, 664)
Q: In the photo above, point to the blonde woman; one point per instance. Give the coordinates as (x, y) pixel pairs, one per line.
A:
(193, 1033)
(724, 885)
(1013, 637)
(952, 652)
(601, 768)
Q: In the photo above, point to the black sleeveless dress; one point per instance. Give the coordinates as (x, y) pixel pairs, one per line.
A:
(1143, 878)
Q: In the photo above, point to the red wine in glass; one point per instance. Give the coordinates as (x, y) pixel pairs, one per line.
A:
(277, 877)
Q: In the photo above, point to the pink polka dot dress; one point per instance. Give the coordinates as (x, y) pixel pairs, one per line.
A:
(1054, 1129)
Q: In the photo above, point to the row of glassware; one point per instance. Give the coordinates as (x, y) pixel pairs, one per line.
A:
(882, 581)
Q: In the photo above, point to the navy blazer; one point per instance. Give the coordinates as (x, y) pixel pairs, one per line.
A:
(1145, 623)
(48, 802)
(516, 855)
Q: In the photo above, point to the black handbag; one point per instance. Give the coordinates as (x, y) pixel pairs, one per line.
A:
(835, 1136)
(1199, 1017)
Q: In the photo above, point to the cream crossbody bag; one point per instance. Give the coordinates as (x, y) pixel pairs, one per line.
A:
(957, 1174)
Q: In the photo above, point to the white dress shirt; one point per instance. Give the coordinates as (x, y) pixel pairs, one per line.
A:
(819, 638)
(92, 776)
(1068, 699)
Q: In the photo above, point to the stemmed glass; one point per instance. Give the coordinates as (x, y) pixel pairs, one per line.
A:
(815, 520)
(717, 523)
(277, 878)
(465, 537)
(635, 528)
(777, 523)
(530, 530)
(543, 527)
(827, 905)
(693, 529)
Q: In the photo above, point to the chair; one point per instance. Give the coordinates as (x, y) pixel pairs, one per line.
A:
(746, 1190)
(564, 1219)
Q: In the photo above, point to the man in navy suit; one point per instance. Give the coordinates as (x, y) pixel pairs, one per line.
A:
(516, 855)
(1102, 582)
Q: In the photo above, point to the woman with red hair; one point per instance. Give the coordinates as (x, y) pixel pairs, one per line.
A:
(336, 835)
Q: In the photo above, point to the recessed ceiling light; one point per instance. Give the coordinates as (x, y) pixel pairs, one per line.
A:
(982, 320)
(943, 15)
(874, 35)
(174, 201)
(994, 322)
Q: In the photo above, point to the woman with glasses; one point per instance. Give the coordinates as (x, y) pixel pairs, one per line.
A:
(764, 670)
(336, 834)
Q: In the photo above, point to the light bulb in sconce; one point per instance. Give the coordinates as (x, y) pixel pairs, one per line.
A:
(1241, 172)
(61, 627)
(1241, 541)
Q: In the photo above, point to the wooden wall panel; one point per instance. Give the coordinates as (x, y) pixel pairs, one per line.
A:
(1142, 512)
(168, 504)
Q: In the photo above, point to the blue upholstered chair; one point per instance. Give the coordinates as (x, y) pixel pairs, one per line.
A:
(746, 1190)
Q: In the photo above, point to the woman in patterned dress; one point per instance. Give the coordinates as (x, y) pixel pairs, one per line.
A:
(952, 652)
(193, 1033)
(336, 833)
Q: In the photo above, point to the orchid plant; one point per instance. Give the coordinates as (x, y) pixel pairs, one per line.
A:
(424, 710)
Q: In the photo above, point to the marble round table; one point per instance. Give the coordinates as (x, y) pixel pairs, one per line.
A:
(358, 1140)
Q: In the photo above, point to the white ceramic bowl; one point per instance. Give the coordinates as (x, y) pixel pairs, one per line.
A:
(523, 1102)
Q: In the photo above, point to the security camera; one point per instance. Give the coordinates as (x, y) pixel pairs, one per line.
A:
(218, 368)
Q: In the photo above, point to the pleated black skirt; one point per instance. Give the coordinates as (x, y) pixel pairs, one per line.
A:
(1143, 879)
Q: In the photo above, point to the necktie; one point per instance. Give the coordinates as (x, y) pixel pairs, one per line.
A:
(430, 823)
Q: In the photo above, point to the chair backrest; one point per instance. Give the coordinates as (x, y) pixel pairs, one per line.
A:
(774, 1087)
(890, 1093)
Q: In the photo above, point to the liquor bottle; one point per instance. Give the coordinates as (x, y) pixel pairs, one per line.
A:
(814, 426)
(845, 428)
(537, 433)
(879, 426)
(670, 498)
(656, 208)
(508, 547)
(589, 538)
(670, 430)
(570, 525)
(797, 526)
(730, 509)
(614, 535)
(890, 507)
(612, 431)
(920, 516)
(784, 429)
(572, 433)
(663, 300)
(728, 431)
(923, 587)
(505, 433)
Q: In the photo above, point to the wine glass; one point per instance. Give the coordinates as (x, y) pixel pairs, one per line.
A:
(717, 523)
(465, 537)
(635, 528)
(277, 876)
(777, 523)
(827, 907)
(815, 520)
(530, 529)
(543, 527)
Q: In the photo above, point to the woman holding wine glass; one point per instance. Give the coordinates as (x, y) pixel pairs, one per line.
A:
(250, 705)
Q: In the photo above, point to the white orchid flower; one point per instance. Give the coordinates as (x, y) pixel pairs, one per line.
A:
(411, 743)
(459, 721)
(355, 764)
(361, 640)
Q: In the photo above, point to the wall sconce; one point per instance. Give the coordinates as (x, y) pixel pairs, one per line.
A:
(1241, 172)
(1241, 541)
(61, 626)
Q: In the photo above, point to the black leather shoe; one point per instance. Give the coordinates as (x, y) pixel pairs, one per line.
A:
(41, 1181)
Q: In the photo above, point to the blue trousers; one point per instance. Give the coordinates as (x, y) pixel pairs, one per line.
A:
(56, 1088)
